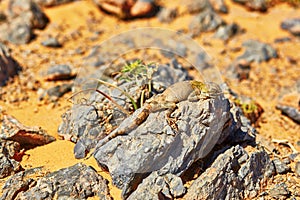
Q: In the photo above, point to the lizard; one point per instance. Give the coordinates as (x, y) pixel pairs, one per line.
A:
(180, 91)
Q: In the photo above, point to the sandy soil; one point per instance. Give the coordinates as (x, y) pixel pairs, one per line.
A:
(75, 24)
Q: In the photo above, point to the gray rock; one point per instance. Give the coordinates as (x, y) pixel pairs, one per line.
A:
(290, 112)
(8, 164)
(84, 124)
(281, 168)
(257, 51)
(76, 182)
(18, 32)
(280, 191)
(167, 15)
(207, 20)
(227, 31)
(23, 16)
(59, 72)
(29, 12)
(51, 42)
(196, 6)
(156, 146)
(156, 186)
(59, 90)
(18, 183)
(9, 67)
(257, 5)
(228, 178)
(27, 137)
(292, 25)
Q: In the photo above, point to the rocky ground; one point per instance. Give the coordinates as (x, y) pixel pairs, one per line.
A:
(255, 44)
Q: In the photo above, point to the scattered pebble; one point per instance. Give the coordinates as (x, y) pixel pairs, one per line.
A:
(291, 25)
(227, 31)
(257, 51)
(207, 20)
(59, 90)
(281, 168)
(256, 5)
(167, 15)
(297, 168)
(280, 191)
(290, 112)
(59, 72)
(51, 42)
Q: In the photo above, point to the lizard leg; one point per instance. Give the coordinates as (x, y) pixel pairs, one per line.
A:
(171, 120)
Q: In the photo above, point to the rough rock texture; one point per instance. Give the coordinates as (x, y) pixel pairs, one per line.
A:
(257, 5)
(58, 72)
(207, 20)
(9, 67)
(8, 164)
(75, 182)
(235, 174)
(84, 123)
(27, 137)
(23, 17)
(156, 146)
(257, 51)
(291, 25)
(157, 186)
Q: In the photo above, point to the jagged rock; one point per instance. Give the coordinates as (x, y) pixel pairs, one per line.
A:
(235, 174)
(125, 9)
(205, 21)
(9, 67)
(76, 182)
(8, 153)
(281, 168)
(291, 25)
(84, 124)
(257, 51)
(291, 112)
(257, 5)
(156, 186)
(155, 146)
(28, 137)
(59, 72)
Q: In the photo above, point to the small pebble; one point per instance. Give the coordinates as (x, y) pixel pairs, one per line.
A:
(297, 168)
(51, 42)
(281, 168)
